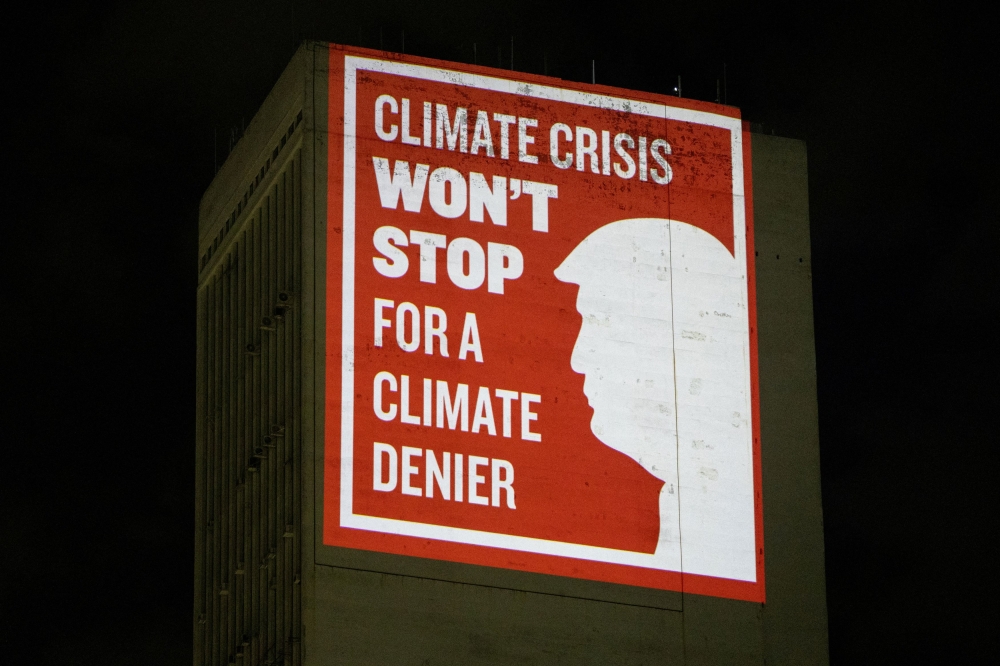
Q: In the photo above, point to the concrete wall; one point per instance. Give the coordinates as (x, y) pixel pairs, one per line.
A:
(794, 626)
(372, 608)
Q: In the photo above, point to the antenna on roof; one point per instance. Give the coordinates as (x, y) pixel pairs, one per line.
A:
(593, 72)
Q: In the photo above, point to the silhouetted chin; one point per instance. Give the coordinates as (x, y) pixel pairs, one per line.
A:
(602, 439)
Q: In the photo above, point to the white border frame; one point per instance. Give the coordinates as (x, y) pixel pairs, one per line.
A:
(350, 519)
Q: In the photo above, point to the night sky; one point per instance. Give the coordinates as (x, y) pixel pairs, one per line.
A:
(112, 111)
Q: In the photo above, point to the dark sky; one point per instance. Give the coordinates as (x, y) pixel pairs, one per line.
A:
(109, 144)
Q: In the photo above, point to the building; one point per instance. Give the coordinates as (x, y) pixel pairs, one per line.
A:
(428, 447)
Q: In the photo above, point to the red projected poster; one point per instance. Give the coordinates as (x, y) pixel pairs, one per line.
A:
(541, 348)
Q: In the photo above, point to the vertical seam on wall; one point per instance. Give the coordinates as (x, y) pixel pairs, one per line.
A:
(677, 432)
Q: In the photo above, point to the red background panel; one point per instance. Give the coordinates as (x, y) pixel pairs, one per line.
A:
(570, 487)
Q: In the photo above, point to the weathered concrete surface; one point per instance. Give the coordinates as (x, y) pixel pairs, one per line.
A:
(420, 615)
(366, 608)
(374, 618)
(794, 622)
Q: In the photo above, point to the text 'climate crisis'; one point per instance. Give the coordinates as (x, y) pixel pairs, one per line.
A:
(608, 152)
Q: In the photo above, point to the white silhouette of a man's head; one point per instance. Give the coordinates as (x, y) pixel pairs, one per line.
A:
(664, 347)
(625, 345)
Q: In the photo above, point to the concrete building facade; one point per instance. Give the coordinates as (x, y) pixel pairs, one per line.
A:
(267, 588)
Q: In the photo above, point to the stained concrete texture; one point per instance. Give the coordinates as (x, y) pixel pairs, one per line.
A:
(372, 608)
